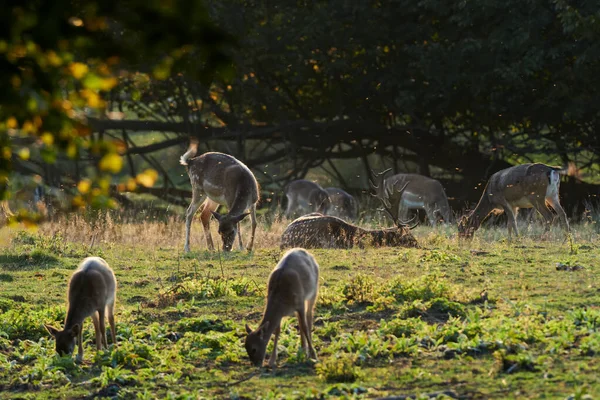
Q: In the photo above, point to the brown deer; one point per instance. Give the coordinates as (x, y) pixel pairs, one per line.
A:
(224, 180)
(421, 193)
(319, 231)
(92, 293)
(522, 186)
(341, 204)
(292, 288)
(305, 197)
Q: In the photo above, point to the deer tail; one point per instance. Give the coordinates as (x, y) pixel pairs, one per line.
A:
(192, 150)
(570, 170)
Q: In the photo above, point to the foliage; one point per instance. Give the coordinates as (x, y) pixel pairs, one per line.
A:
(60, 59)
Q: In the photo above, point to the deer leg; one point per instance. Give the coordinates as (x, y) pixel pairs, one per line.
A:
(273, 358)
(79, 357)
(309, 349)
(111, 321)
(555, 204)
(253, 218)
(205, 217)
(512, 220)
(96, 322)
(102, 322)
(189, 216)
(430, 211)
(540, 206)
(239, 234)
(309, 322)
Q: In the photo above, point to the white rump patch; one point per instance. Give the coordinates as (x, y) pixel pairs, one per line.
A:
(552, 190)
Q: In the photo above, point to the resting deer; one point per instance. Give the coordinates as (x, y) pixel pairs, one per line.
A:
(306, 197)
(224, 180)
(91, 293)
(522, 186)
(421, 193)
(326, 232)
(341, 204)
(292, 288)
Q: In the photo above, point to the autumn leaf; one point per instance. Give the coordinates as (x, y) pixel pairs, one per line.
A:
(111, 162)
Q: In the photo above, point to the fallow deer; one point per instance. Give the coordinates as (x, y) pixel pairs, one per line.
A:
(319, 231)
(341, 204)
(293, 287)
(421, 193)
(224, 180)
(522, 186)
(306, 197)
(92, 293)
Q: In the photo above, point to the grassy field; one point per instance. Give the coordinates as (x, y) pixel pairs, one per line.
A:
(485, 319)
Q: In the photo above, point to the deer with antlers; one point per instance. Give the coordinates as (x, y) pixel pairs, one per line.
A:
(522, 186)
(320, 231)
(225, 181)
(421, 193)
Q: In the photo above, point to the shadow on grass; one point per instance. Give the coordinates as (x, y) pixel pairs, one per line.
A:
(35, 260)
(6, 278)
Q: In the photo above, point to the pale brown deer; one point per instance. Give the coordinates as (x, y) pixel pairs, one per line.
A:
(341, 204)
(293, 287)
(320, 231)
(421, 193)
(92, 293)
(305, 197)
(522, 186)
(223, 180)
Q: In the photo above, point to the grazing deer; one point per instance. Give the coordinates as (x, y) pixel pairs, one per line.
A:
(92, 293)
(306, 197)
(421, 193)
(325, 232)
(341, 204)
(224, 180)
(522, 186)
(293, 287)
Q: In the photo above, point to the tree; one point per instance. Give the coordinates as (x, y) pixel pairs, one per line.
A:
(60, 58)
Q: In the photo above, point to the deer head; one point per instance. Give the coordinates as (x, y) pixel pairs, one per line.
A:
(390, 198)
(228, 226)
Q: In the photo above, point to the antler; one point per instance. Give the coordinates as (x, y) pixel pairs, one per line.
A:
(390, 198)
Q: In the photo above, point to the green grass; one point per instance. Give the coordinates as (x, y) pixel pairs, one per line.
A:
(499, 322)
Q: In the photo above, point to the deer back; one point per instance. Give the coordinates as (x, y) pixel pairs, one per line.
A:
(319, 231)
(224, 179)
(91, 287)
(311, 193)
(293, 281)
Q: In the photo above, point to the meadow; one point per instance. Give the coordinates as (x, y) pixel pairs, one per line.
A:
(490, 318)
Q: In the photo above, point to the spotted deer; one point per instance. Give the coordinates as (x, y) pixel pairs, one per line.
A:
(521, 186)
(305, 197)
(326, 232)
(224, 180)
(293, 287)
(421, 193)
(92, 293)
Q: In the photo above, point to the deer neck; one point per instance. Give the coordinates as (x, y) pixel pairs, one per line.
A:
(374, 237)
(273, 314)
(481, 211)
(75, 316)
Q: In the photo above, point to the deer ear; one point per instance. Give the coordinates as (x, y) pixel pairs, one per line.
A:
(238, 218)
(216, 215)
(51, 330)
(248, 329)
(75, 330)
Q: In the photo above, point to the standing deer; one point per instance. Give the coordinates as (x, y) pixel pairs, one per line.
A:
(292, 288)
(306, 197)
(319, 231)
(522, 186)
(224, 180)
(341, 204)
(421, 193)
(92, 293)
